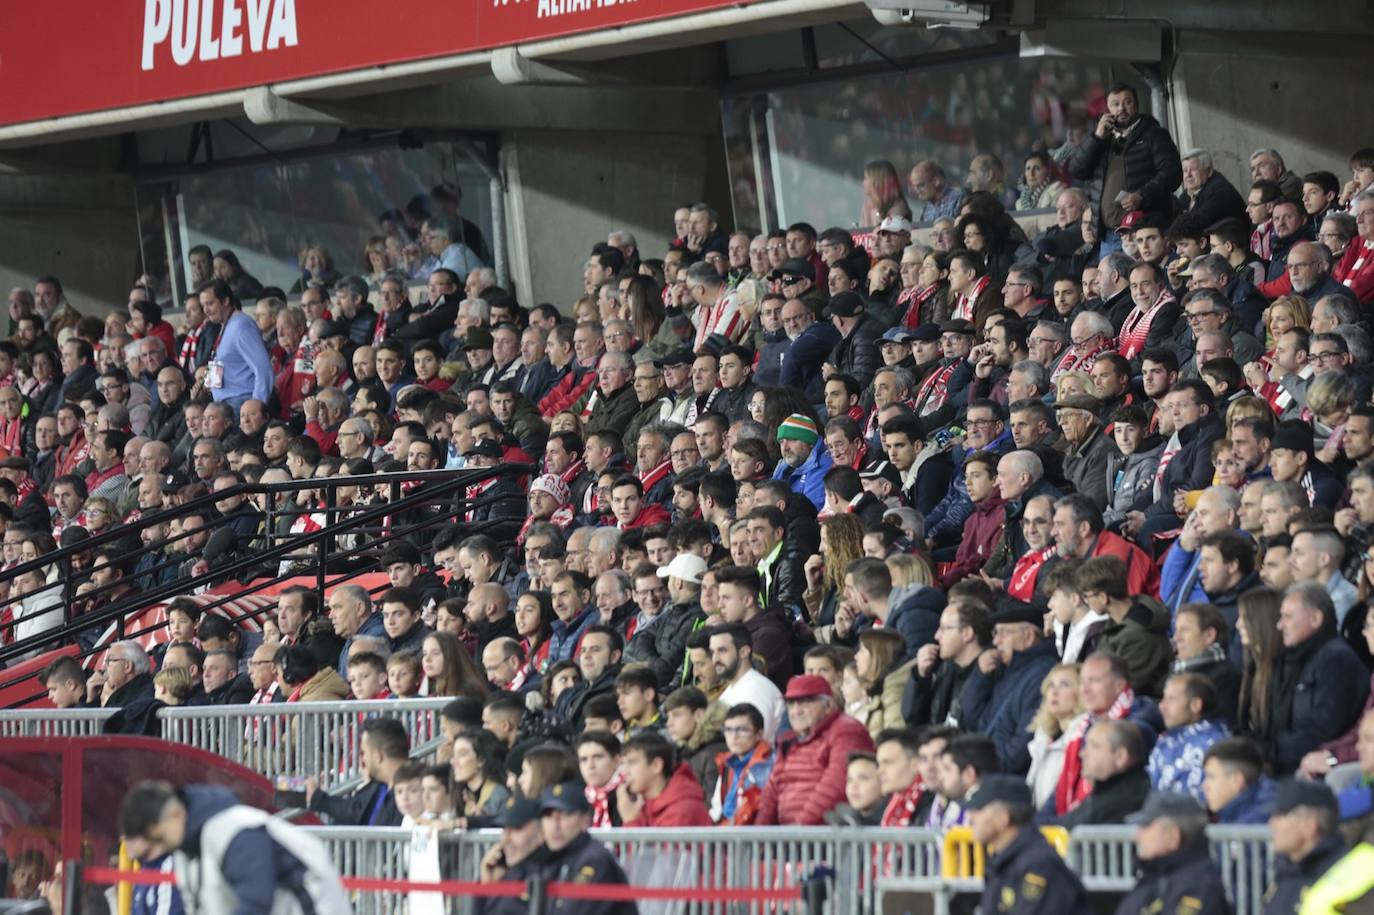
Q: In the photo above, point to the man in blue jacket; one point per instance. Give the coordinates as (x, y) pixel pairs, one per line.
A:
(812, 343)
(805, 460)
(1003, 694)
(230, 859)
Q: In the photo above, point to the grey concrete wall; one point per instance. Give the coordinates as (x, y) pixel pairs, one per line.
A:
(1238, 93)
(80, 229)
(569, 189)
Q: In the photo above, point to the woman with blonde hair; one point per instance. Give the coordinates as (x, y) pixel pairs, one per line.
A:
(909, 571)
(883, 195)
(842, 542)
(1060, 709)
(1285, 314)
(884, 675)
(1331, 396)
(1072, 384)
(316, 268)
(1247, 406)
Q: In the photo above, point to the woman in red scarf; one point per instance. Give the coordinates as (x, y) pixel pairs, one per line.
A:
(924, 298)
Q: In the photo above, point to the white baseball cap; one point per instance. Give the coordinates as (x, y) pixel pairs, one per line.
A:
(686, 566)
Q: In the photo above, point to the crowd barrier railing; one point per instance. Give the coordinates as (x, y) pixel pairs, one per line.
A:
(862, 864)
(290, 740)
(283, 741)
(73, 722)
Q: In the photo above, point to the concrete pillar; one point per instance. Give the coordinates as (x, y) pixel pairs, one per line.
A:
(567, 190)
(81, 229)
(1240, 93)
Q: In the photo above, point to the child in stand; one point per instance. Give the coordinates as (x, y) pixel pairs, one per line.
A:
(402, 675)
(368, 676)
(853, 691)
(1075, 625)
(436, 790)
(407, 788)
(172, 685)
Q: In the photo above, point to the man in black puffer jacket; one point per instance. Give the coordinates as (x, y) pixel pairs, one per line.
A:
(857, 353)
(1129, 162)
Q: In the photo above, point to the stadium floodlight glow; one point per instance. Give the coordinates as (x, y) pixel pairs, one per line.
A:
(934, 14)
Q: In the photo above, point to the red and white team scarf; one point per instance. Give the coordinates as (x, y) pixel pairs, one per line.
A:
(1136, 331)
(721, 317)
(12, 434)
(562, 516)
(1072, 787)
(657, 475)
(189, 344)
(476, 490)
(1279, 397)
(600, 799)
(1262, 240)
(935, 389)
(911, 300)
(963, 306)
(1071, 362)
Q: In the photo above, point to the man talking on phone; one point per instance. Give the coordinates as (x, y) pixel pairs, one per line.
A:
(1130, 159)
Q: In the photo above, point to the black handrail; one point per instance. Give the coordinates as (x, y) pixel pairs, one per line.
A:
(443, 484)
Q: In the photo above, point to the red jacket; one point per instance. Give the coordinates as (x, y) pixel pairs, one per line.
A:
(569, 390)
(652, 513)
(981, 533)
(682, 803)
(808, 780)
(1142, 575)
(1359, 279)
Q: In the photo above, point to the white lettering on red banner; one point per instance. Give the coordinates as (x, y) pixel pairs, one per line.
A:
(208, 30)
(550, 8)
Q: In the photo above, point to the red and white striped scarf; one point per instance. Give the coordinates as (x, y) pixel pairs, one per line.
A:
(657, 475)
(7, 624)
(913, 299)
(600, 799)
(1136, 331)
(1070, 362)
(1072, 788)
(189, 344)
(1279, 397)
(12, 434)
(476, 490)
(935, 389)
(562, 516)
(1262, 240)
(963, 306)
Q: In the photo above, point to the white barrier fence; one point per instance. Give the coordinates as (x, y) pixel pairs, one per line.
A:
(865, 865)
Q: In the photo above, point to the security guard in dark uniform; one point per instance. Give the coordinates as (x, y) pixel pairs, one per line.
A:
(1024, 874)
(519, 855)
(574, 856)
(1307, 842)
(1177, 876)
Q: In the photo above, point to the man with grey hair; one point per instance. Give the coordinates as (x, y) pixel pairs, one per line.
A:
(352, 613)
(1027, 379)
(1090, 335)
(1056, 247)
(124, 677)
(1356, 268)
(355, 439)
(1208, 197)
(1336, 232)
(1331, 311)
(1180, 581)
(478, 281)
(1318, 686)
(1114, 289)
(625, 243)
(603, 551)
(1268, 165)
(444, 252)
(1307, 273)
(930, 186)
(369, 644)
(613, 401)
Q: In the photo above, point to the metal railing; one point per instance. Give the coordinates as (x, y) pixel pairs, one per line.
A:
(280, 740)
(296, 739)
(864, 863)
(438, 497)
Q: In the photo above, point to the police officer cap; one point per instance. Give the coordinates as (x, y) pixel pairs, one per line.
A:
(1007, 789)
(1294, 793)
(1011, 610)
(570, 796)
(516, 812)
(1166, 804)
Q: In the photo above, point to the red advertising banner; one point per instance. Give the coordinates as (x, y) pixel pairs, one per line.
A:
(64, 57)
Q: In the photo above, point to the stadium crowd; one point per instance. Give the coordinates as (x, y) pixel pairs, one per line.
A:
(988, 528)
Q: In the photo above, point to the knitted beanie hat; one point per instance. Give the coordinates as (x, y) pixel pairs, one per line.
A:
(799, 427)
